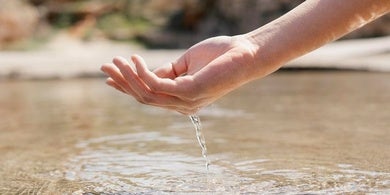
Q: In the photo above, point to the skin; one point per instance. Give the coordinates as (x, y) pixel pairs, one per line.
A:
(216, 66)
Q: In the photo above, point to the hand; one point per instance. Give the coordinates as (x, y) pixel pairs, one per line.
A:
(205, 72)
(216, 66)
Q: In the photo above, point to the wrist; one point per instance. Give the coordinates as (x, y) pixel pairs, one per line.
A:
(264, 47)
(248, 59)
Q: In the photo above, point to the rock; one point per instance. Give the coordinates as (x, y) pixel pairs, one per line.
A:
(18, 20)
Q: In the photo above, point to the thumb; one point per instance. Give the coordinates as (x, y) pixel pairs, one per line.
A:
(174, 69)
(173, 87)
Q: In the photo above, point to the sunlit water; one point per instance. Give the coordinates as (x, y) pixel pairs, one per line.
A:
(292, 132)
(199, 136)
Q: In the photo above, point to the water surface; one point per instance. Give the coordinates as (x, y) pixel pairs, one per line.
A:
(292, 132)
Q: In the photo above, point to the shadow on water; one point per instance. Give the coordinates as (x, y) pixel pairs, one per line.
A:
(307, 132)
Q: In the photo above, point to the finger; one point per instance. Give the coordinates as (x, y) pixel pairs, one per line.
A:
(113, 84)
(142, 91)
(120, 82)
(183, 111)
(115, 75)
(156, 84)
(173, 70)
(180, 66)
(159, 85)
(132, 79)
(163, 101)
(165, 71)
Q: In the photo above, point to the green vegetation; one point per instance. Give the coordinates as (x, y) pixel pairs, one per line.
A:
(118, 26)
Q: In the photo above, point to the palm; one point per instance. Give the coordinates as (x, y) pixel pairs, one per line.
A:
(197, 57)
(204, 73)
(201, 54)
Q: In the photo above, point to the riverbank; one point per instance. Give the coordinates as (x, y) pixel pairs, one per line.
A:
(65, 57)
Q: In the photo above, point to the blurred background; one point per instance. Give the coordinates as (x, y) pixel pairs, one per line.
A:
(72, 38)
(324, 131)
(152, 23)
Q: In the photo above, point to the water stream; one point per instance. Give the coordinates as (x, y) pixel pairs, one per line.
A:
(201, 140)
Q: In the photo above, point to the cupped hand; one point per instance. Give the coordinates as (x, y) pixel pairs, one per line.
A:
(204, 73)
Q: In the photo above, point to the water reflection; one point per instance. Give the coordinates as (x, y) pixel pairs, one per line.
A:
(138, 162)
(135, 163)
(306, 132)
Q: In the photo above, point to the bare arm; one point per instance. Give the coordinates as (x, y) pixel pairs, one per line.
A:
(218, 65)
(309, 26)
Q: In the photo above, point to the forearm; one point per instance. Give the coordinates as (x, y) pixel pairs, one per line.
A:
(213, 67)
(309, 26)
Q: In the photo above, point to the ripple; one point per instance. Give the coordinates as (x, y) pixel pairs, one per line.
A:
(119, 164)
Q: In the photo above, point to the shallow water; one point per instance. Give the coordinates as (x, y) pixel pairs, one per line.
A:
(292, 132)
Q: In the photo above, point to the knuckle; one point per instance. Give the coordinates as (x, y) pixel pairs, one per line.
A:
(193, 106)
(186, 111)
(192, 111)
(140, 100)
(191, 95)
(147, 98)
(152, 87)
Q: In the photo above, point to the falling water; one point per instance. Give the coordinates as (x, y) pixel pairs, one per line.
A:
(201, 140)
